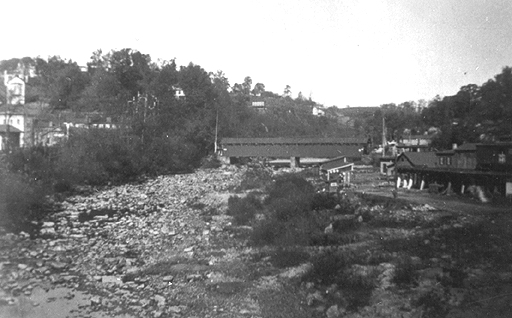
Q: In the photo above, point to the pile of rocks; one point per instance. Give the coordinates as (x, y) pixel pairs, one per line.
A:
(104, 243)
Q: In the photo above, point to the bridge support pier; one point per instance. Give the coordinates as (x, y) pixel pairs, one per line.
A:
(294, 162)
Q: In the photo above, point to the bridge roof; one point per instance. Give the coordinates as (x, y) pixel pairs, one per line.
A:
(294, 140)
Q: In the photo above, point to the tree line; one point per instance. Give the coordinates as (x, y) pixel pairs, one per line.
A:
(129, 86)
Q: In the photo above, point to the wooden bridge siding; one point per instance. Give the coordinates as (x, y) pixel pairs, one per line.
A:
(291, 150)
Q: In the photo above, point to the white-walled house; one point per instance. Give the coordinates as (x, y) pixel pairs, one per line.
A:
(12, 128)
(318, 111)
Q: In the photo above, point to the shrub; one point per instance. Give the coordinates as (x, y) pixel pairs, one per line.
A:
(405, 273)
(288, 258)
(323, 201)
(266, 232)
(327, 268)
(255, 178)
(243, 210)
(21, 201)
(210, 162)
(290, 186)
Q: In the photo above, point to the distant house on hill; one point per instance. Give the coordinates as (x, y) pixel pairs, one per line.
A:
(415, 143)
(258, 103)
(17, 124)
(318, 111)
(178, 93)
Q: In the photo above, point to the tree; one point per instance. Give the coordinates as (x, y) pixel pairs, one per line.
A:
(287, 91)
(61, 82)
(258, 89)
(246, 86)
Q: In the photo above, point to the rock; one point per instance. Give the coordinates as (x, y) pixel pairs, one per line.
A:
(168, 278)
(333, 312)
(174, 309)
(48, 231)
(48, 224)
(58, 265)
(160, 300)
(313, 298)
(95, 300)
(22, 266)
(328, 229)
(297, 272)
(111, 279)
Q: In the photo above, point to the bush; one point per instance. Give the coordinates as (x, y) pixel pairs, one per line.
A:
(21, 201)
(290, 186)
(210, 162)
(255, 178)
(288, 258)
(405, 273)
(266, 232)
(323, 201)
(243, 210)
(327, 268)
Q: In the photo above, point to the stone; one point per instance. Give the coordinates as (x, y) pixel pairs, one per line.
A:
(48, 231)
(22, 266)
(174, 309)
(333, 312)
(95, 300)
(58, 265)
(168, 278)
(160, 300)
(313, 298)
(111, 279)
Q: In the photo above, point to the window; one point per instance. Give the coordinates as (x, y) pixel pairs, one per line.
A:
(449, 161)
(502, 158)
(16, 89)
(442, 161)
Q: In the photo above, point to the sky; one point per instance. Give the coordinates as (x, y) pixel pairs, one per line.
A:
(338, 52)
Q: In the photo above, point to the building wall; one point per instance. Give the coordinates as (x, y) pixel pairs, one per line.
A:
(465, 160)
(15, 90)
(17, 121)
(494, 157)
(285, 151)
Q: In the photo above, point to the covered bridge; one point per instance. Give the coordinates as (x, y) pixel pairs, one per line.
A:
(293, 148)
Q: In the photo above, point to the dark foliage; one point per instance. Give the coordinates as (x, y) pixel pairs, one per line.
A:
(244, 209)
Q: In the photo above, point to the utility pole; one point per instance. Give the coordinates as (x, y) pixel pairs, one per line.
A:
(216, 133)
(383, 136)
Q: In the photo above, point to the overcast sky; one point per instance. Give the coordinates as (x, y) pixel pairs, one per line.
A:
(345, 52)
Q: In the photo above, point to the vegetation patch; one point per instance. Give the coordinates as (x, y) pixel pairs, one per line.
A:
(22, 200)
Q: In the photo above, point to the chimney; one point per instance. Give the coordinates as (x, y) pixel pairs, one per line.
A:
(454, 146)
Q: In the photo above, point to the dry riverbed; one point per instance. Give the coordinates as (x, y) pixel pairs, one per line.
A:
(166, 248)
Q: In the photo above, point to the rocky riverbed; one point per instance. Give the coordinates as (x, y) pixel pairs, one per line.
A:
(166, 248)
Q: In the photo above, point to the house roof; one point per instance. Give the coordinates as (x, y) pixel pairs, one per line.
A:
(11, 129)
(29, 109)
(445, 153)
(420, 159)
(467, 147)
(334, 163)
(402, 145)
